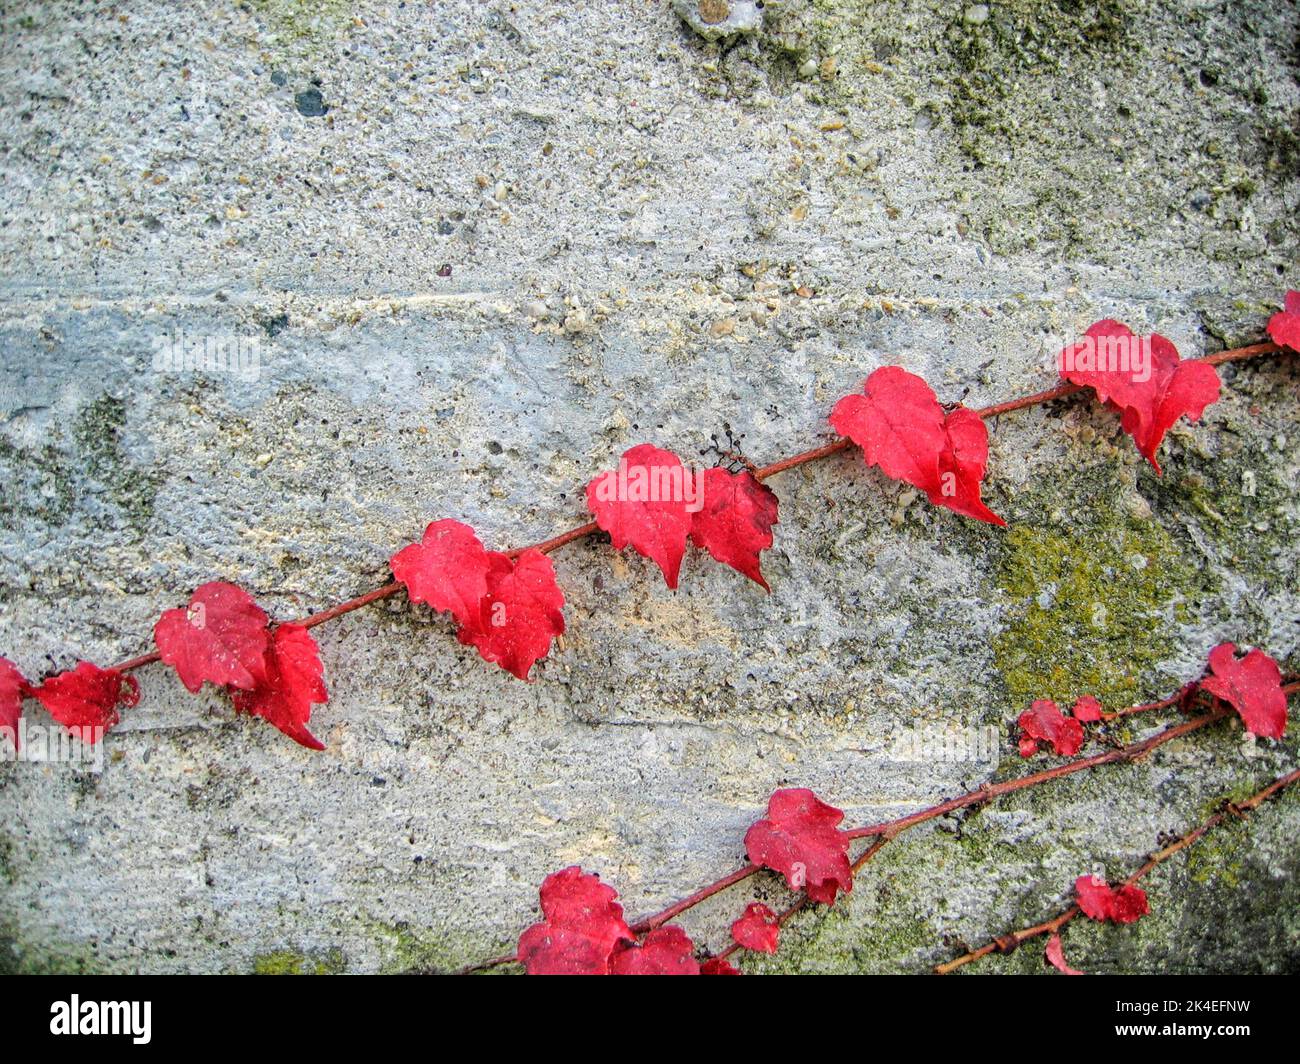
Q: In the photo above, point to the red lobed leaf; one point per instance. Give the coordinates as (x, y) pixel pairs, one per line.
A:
(220, 637)
(757, 929)
(962, 465)
(1044, 722)
(520, 613)
(902, 428)
(292, 683)
(644, 503)
(548, 950)
(1252, 685)
(448, 569)
(718, 966)
(735, 522)
(1100, 901)
(13, 688)
(86, 698)
(665, 951)
(583, 923)
(1087, 709)
(1056, 956)
(1111, 359)
(800, 840)
(1284, 326)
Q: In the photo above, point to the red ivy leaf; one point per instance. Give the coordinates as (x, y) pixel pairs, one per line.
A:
(1252, 686)
(220, 637)
(13, 687)
(548, 950)
(1099, 901)
(665, 951)
(87, 698)
(519, 615)
(448, 569)
(718, 966)
(1284, 326)
(291, 685)
(644, 503)
(582, 924)
(1044, 722)
(757, 929)
(735, 522)
(901, 428)
(1056, 956)
(1112, 359)
(1087, 709)
(799, 839)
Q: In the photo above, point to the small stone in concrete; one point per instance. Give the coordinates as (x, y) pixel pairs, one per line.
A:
(310, 103)
(715, 19)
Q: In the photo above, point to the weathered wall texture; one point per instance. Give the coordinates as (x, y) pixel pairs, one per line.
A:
(625, 212)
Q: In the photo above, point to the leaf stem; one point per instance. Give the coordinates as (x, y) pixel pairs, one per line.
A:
(988, 792)
(1008, 943)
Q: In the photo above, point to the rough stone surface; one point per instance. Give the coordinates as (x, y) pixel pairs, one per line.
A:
(482, 249)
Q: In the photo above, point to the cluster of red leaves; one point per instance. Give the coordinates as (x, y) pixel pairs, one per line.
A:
(509, 609)
(221, 637)
(1098, 900)
(1149, 397)
(224, 638)
(583, 931)
(904, 430)
(653, 504)
(1044, 722)
(901, 428)
(1252, 685)
(84, 699)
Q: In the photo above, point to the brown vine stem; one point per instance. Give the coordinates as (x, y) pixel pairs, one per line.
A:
(1182, 698)
(676, 909)
(883, 833)
(990, 791)
(891, 829)
(788, 913)
(1236, 354)
(1009, 942)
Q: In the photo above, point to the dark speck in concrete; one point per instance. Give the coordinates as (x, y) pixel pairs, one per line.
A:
(275, 325)
(310, 103)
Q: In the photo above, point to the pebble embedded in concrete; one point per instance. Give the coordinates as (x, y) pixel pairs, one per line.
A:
(715, 19)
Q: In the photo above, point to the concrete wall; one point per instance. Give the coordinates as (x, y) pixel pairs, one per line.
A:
(479, 249)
